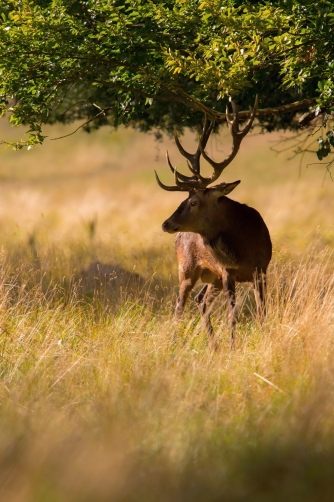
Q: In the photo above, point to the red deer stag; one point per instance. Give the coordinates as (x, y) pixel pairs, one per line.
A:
(221, 241)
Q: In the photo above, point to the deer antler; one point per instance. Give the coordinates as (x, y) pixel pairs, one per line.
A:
(186, 183)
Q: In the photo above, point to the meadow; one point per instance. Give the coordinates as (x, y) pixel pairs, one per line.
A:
(103, 397)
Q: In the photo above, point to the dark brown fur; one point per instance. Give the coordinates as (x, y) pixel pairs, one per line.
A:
(220, 242)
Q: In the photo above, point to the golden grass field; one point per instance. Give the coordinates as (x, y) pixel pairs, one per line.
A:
(103, 398)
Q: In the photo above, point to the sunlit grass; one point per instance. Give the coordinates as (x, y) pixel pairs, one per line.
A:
(130, 401)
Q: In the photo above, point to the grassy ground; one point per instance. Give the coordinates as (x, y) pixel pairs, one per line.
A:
(102, 396)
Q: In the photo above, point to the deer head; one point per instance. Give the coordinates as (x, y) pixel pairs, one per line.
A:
(198, 213)
(197, 181)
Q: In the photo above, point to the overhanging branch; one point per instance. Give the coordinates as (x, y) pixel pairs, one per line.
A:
(180, 96)
(261, 112)
(269, 112)
(264, 112)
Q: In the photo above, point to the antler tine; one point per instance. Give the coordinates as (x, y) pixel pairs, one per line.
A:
(178, 183)
(194, 158)
(182, 183)
(207, 130)
(237, 137)
(183, 152)
(197, 175)
(235, 122)
(190, 167)
(182, 177)
(203, 139)
(251, 118)
(176, 188)
(187, 183)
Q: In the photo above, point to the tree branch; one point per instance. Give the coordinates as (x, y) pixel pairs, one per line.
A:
(261, 112)
(307, 117)
(269, 112)
(102, 112)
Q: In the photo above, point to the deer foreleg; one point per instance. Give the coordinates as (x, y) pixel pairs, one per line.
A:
(199, 298)
(260, 294)
(187, 283)
(229, 289)
(205, 300)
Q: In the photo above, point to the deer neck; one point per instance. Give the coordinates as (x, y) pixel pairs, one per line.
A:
(216, 220)
(218, 234)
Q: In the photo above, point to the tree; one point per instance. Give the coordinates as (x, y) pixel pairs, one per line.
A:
(154, 64)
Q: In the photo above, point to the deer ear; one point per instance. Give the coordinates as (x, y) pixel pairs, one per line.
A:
(223, 189)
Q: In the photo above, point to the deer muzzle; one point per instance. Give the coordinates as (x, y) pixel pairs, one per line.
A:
(169, 227)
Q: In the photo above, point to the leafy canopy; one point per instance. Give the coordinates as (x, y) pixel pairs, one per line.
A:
(154, 64)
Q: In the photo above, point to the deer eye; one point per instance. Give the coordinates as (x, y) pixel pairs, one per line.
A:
(193, 203)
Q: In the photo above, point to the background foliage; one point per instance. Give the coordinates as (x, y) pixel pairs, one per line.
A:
(155, 64)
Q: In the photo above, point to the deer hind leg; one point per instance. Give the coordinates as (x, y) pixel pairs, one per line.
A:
(228, 281)
(205, 300)
(187, 281)
(260, 294)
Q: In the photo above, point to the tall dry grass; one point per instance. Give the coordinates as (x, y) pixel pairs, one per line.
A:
(105, 404)
(102, 396)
